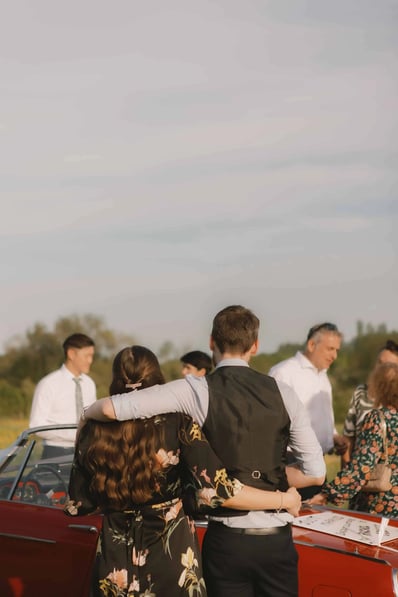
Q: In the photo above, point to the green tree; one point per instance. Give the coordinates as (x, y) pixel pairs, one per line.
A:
(13, 403)
(167, 351)
(28, 358)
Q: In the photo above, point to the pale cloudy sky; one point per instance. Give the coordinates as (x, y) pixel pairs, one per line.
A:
(160, 160)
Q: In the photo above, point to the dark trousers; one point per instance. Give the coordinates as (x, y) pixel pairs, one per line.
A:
(308, 492)
(240, 565)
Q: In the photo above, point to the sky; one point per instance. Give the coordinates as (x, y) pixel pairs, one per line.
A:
(161, 160)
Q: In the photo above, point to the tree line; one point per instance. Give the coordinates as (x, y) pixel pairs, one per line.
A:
(29, 357)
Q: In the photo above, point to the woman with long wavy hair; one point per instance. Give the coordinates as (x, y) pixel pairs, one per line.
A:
(370, 449)
(136, 473)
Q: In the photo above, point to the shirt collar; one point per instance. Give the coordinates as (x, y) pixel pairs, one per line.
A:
(233, 362)
(66, 371)
(306, 363)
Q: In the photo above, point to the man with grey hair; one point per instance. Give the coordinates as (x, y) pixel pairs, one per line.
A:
(306, 374)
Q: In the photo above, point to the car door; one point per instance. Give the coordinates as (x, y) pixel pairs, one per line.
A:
(42, 550)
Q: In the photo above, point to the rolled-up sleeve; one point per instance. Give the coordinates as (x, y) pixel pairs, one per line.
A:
(190, 398)
(302, 440)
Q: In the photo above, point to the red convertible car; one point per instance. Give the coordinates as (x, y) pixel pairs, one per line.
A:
(44, 552)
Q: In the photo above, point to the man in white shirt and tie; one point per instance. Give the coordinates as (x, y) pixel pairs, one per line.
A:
(61, 396)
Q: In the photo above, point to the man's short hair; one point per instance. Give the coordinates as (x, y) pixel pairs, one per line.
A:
(77, 341)
(198, 359)
(235, 329)
(391, 346)
(321, 328)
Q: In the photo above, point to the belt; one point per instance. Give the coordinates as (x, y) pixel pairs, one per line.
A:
(251, 531)
(150, 508)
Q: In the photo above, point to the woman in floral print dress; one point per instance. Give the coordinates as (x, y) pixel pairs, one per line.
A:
(135, 472)
(369, 450)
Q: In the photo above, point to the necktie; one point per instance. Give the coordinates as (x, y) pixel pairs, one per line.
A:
(79, 398)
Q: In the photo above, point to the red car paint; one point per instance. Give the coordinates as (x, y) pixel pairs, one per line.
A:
(44, 552)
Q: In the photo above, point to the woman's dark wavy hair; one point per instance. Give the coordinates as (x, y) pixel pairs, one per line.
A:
(121, 457)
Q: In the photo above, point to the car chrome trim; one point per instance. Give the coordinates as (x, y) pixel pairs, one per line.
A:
(27, 538)
(201, 524)
(20, 472)
(33, 430)
(394, 574)
(84, 527)
(342, 551)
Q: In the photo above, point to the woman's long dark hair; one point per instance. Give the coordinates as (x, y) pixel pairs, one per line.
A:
(121, 457)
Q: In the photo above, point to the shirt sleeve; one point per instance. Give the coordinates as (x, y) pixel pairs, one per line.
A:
(41, 405)
(302, 440)
(351, 418)
(185, 396)
(282, 373)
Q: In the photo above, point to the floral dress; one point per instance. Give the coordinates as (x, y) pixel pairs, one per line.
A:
(369, 450)
(151, 549)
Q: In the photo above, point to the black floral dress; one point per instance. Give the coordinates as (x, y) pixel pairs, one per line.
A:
(151, 549)
(369, 450)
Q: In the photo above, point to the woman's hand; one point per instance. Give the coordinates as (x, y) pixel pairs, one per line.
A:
(320, 499)
(72, 508)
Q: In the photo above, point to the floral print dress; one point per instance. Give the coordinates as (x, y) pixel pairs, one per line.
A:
(151, 549)
(369, 450)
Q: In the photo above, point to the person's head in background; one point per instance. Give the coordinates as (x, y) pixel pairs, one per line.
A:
(79, 353)
(196, 363)
(135, 367)
(383, 384)
(388, 353)
(322, 345)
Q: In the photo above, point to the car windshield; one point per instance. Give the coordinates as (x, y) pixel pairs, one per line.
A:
(27, 476)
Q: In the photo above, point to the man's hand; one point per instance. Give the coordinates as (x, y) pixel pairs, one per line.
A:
(101, 410)
(294, 500)
(340, 444)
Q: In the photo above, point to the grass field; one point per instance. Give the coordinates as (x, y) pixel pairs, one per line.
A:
(332, 466)
(10, 428)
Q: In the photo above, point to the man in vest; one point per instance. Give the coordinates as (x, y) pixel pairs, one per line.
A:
(249, 420)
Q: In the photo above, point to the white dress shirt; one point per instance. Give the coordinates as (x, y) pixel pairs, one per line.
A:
(191, 396)
(315, 392)
(54, 403)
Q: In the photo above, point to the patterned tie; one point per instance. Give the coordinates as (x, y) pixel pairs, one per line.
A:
(79, 398)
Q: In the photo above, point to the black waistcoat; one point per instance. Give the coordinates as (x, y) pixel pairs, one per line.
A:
(248, 426)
